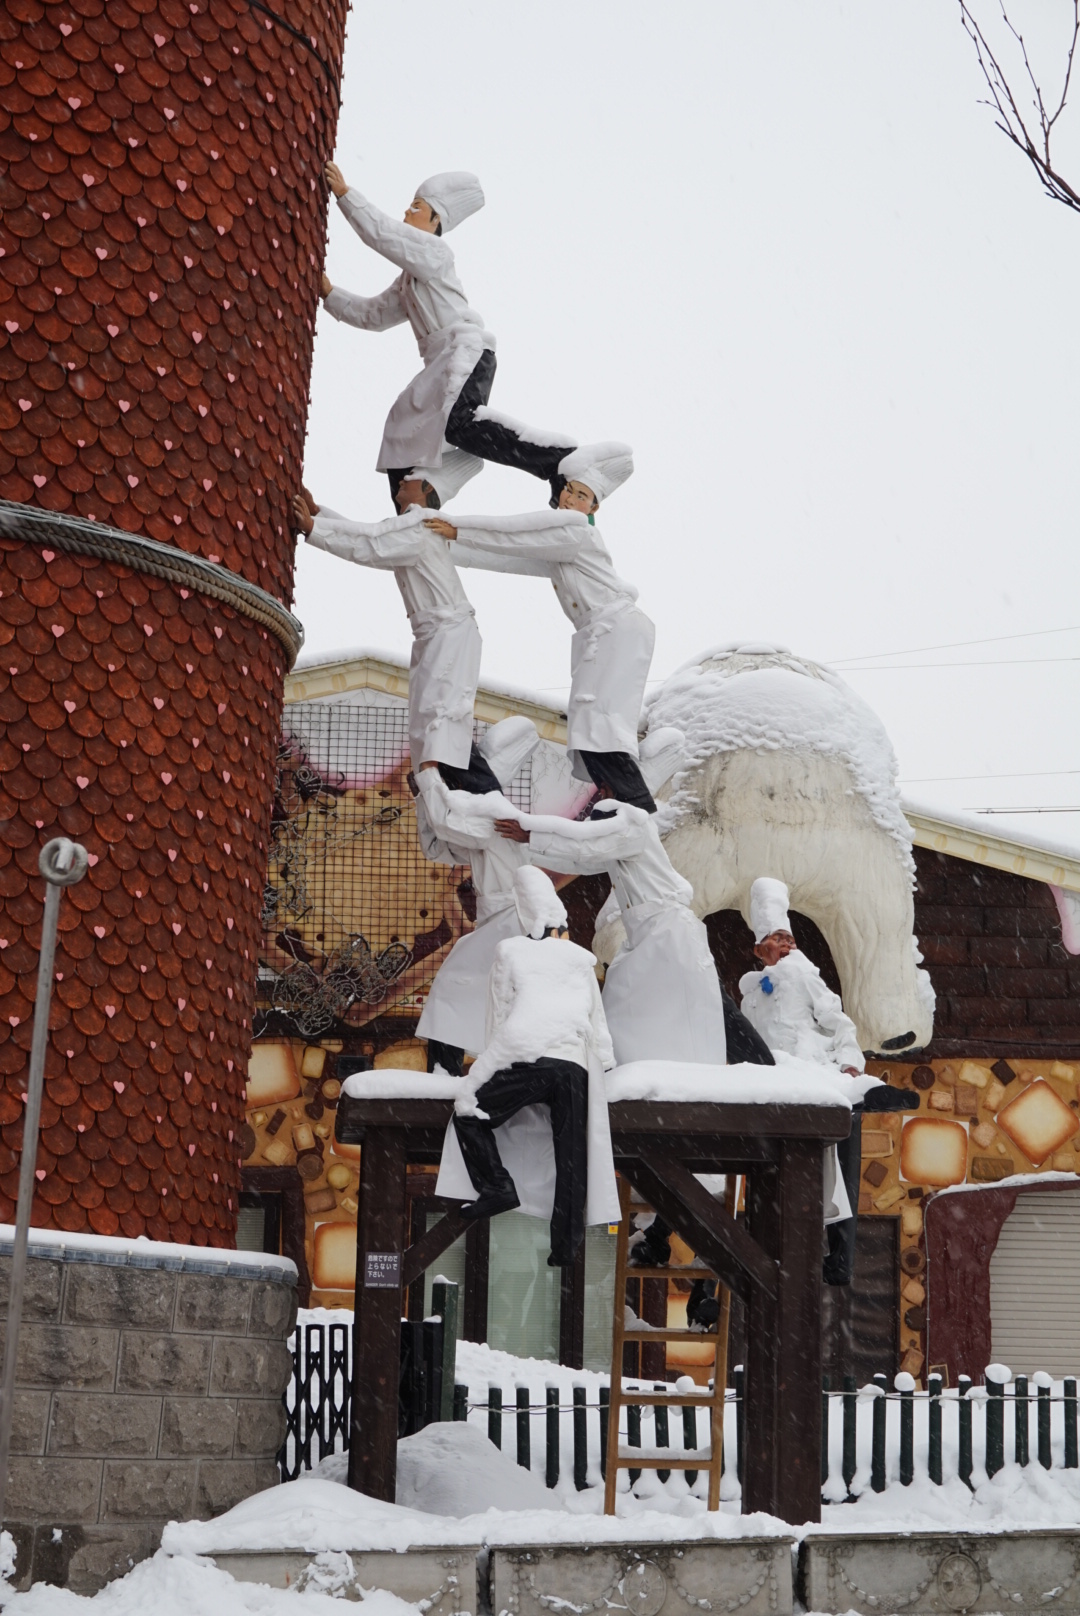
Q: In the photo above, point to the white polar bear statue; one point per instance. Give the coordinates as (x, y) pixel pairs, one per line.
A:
(786, 772)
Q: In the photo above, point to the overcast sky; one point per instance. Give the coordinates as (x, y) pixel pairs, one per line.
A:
(781, 249)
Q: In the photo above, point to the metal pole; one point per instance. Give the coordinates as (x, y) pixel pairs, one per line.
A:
(62, 863)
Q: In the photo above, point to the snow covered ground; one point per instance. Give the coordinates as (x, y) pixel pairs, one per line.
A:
(456, 1488)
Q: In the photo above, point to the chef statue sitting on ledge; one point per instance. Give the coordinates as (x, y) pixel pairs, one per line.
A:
(530, 1129)
(795, 1011)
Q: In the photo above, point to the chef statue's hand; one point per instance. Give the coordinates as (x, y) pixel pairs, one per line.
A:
(302, 517)
(512, 830)
(444, 529)
(326, 285)
(335, 179)
(309, 500)
(852, 1071)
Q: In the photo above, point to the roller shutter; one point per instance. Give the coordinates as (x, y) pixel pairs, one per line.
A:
(1035, 1285)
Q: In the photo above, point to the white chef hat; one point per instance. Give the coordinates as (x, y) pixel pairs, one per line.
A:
(660, 754)
(537, 902)
(603, 467)
(768, 907)
(457, 469)
(507, 745)
(452, 196)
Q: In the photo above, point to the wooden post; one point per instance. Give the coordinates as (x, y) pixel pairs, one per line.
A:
(380, 1245)
(783, 1371)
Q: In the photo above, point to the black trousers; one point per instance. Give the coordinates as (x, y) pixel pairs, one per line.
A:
(744, 1042)
(563, 1087)
(838, 1267)
(451, 1057)
(494, 439)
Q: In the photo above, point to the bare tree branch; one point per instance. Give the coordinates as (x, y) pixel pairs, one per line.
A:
(1033, 142)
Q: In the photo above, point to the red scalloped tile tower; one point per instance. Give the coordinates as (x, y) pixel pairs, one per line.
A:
(162, 223)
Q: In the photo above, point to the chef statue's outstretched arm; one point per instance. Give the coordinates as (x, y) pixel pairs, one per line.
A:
(395, 542)
(414, 244)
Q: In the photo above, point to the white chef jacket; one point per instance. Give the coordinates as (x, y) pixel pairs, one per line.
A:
(611, 651)
(795, 1011)
(450, 334)
(662, 995)
(455, 1010)
(445, 663)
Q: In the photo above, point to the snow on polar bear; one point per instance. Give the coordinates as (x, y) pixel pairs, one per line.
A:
(787, 772)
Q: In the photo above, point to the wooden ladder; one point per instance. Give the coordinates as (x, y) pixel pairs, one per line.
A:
(617, 1458)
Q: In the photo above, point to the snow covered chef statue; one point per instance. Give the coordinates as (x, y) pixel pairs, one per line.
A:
(662, 994)
(612, 646)
(530, 1128)
(445, 664)
(794, 1011)
(448, 399)
(453, 1018)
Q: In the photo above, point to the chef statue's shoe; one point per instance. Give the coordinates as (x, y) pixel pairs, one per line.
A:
(493, 1201)
(702, 1307)
(653, 1250)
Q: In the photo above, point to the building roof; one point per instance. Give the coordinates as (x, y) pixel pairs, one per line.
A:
(365, 669)
(964, 835)
(940, 829)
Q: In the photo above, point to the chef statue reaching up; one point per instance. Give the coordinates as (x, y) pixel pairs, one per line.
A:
(453, 1017)
(448, 399)
(445, 664)
(612, 645)
(530, 1128)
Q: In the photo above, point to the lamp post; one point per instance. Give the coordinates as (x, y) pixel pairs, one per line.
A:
(62, 863)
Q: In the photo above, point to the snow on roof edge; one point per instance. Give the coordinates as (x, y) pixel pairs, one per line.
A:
(974, 828)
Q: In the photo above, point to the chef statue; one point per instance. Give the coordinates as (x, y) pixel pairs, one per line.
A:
(612, 645)
(445, 664)
(453, 1018)
(796, 1012)
(530, 1127)
(661, 992)
(447, 402)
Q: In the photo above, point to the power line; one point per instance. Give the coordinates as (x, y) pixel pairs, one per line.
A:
(1009, 662)
(1024, 774)
(1022, 810)
(957, 645)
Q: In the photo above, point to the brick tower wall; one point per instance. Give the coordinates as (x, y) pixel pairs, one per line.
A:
(163, 221)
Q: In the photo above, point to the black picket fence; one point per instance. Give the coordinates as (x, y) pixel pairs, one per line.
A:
(574, 1432)
(872, 1436)
(942, 1433)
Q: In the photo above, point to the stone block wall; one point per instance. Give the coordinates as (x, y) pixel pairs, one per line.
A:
(149, 1389)
(991, 941)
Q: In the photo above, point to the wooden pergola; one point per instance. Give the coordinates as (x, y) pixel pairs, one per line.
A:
(771, 1259)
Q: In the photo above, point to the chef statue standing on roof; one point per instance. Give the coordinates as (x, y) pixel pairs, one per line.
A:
(453, 1019)
(446, 404)
(795, 1011)
(530, 1128)
(612, 645)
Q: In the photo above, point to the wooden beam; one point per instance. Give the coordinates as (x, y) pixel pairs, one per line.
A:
(702, 1221)
(720, 1120)
(430, 1246)
(782, 1455)
(380, 1229)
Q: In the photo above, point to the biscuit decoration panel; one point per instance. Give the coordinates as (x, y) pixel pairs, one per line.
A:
(979, 1122)
(162, 221)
